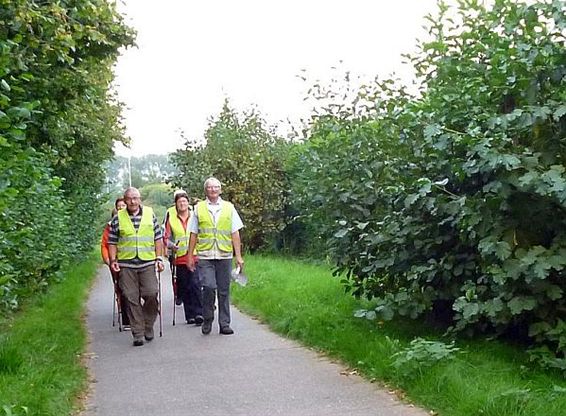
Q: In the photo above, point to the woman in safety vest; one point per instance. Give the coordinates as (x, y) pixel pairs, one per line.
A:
(177, 240)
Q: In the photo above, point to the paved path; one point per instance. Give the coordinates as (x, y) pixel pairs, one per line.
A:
(253, 372)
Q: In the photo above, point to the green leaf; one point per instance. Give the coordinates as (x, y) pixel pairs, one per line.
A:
(521, 303)
(5, 85)
(362, 225)
(341, 233)
(432, 130)
(559, 112)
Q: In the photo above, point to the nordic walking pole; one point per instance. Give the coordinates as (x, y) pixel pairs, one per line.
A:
(113, 305)
(159, 304)
(174, 282)
(119, 303)
(117, 300)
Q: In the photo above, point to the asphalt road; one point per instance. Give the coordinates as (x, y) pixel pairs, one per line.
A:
(183, 373)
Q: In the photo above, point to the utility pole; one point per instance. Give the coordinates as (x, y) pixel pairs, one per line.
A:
(130, 170)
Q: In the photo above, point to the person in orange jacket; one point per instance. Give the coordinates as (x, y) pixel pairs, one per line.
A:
(118, 205)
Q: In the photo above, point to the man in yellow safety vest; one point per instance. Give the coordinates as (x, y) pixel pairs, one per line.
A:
(135, 246)
(215, 233)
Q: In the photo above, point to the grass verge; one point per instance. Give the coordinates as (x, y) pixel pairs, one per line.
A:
(41, 372)
(485, 377)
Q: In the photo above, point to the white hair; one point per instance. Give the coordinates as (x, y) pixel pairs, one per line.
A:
(212, 179)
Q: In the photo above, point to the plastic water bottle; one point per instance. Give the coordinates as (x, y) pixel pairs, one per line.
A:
(239, 277)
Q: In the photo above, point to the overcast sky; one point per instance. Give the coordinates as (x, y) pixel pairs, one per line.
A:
(192, 55)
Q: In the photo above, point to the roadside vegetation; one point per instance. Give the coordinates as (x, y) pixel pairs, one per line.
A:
(41, 348)
(441, 204)
(464, 377)
(59, 121)
(446, 198)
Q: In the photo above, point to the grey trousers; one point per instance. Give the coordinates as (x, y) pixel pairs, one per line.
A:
(215, 278)
(138, 284)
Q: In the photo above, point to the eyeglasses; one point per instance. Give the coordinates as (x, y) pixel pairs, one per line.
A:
(213, 187)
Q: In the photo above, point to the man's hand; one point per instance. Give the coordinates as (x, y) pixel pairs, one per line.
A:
(159, 265)
(240, 263)
(191, 262)
(114, 266)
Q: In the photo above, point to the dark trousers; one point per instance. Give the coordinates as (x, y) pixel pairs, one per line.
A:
(189, 290)
(215, 277)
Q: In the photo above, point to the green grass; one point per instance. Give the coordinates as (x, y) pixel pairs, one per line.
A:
(41, 349)
(304, 302)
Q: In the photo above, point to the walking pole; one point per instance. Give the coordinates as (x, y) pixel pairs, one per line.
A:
(114, 308)
(160, 309)
(117, 302)
(174, 283)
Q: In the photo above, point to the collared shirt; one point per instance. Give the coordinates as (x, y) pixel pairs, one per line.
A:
(114, 237)
(214, 209)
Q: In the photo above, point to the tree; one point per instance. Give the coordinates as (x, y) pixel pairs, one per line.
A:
(248, 160)
(58, 122)
(455, 198)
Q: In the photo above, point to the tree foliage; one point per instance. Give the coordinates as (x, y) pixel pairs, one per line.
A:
(58, 122)
(248, 160)
(454, 196)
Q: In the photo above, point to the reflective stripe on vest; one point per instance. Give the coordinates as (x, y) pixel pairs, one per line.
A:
(180, 234)
(208, 234)
(132, 243)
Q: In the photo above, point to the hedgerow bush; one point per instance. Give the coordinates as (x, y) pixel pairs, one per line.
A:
(58, 122)
(453, 196)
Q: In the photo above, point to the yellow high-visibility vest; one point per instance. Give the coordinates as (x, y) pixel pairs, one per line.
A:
(208, 233)
(171, 212)
(132, 243)
(180, 234)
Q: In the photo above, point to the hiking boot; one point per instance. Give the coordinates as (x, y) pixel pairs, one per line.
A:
(226, 330)
(138, 342)
(206, 327)
(199, 320)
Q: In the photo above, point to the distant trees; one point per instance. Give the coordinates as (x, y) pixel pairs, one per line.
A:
(146, 169)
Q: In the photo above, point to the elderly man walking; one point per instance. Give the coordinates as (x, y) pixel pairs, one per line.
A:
(135, 250)
(215, 233)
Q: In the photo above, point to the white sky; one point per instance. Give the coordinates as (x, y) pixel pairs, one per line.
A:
(192, 55)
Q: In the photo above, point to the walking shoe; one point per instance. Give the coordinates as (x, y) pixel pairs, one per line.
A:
(178, 301)
(206, 327)
(127, 328)
(191, 321)
(226, 330)
(138, 342)
(199, 320)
